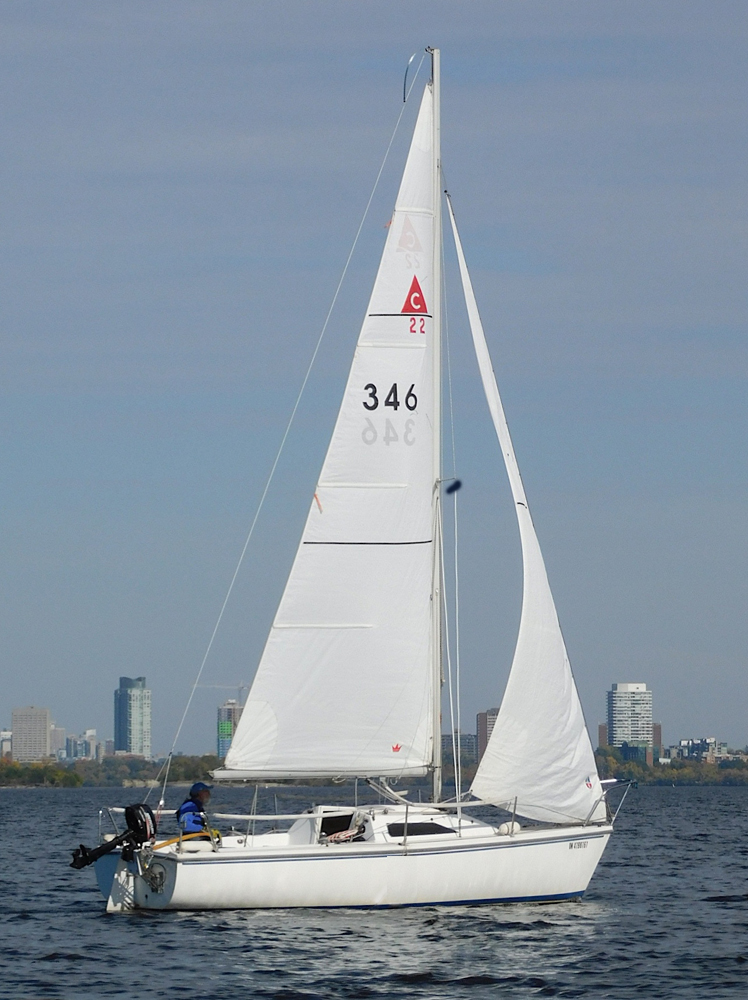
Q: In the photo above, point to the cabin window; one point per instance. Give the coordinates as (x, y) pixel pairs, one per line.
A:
(335, 824)
(417, 829)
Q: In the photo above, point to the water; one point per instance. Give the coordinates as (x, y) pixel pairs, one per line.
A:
(666, 915)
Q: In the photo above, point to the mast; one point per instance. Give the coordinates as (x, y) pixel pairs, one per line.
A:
(436, 594)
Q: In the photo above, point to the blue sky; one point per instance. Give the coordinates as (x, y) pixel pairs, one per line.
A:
(180, 185)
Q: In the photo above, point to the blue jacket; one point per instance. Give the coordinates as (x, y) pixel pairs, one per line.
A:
(189, 816)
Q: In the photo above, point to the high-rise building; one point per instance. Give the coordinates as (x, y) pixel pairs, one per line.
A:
(30, 739)
(132, 717)
(629, 715)
(602, 734)
(228, 719)
(57, 740)
(76, 748)
(82, 747)
(468, 747)
(485, 721)
(6, 737)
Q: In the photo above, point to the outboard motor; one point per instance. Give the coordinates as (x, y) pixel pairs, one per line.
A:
(141, 827)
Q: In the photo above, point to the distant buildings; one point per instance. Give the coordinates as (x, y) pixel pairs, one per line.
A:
(629, 715)
(629, 727)
(30, 734)
(468, 747)
(708, 749)
(57, 741)
(34, 738)
(228, 719)
(634, 713)
(485, 722)
(132, 717)
(85, 747)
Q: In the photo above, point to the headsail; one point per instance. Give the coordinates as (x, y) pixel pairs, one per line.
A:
(346, 684)
(539, 753)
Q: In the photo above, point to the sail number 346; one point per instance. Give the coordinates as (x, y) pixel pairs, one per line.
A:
(391, 399)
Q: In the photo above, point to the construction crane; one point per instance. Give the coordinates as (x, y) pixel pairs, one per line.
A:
(241, 686)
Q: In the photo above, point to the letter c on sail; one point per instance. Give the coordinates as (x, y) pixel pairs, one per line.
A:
(415, 302)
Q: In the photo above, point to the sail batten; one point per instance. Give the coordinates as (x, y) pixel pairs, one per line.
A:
(333, 695)
(539, 759)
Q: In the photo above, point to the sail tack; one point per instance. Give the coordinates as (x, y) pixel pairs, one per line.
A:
(345, 683)
(539, 754)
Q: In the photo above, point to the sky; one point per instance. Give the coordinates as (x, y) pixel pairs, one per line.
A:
(180, 188)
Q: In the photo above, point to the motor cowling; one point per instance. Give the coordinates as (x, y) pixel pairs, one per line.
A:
(141, 823)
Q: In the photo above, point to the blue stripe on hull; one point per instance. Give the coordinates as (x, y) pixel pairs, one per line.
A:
(559, 897)
(415, 852)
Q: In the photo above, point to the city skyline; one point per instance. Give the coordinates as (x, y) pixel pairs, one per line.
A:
(483, 725)
(630, 703)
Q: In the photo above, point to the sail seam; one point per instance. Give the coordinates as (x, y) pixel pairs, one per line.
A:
(362, 486)
(382, 343)
(320, 625)
(425, 541)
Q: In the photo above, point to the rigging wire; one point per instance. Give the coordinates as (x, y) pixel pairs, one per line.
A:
(167, 764)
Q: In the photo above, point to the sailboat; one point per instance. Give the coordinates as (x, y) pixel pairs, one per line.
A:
(349, 683)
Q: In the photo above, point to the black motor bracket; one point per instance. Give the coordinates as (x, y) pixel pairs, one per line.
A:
(141, 827)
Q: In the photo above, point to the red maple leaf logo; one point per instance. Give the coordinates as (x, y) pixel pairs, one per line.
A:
(396, 748)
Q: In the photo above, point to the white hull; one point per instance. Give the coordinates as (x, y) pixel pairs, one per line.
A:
(532, 865)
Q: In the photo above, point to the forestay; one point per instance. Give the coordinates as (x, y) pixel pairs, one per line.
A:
(539, 753)
(344, 685)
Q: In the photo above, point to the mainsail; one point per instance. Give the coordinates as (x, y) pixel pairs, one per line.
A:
(539, 759)
(346, 681)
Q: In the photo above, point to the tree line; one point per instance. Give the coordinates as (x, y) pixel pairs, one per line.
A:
(122, 771)
(109, 772)
(610, 764)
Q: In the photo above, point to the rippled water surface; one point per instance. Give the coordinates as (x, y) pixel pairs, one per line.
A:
(666, 915)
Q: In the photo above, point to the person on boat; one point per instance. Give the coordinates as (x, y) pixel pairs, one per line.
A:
(191, 814)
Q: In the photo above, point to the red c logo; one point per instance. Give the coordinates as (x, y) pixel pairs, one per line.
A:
(415, 302)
